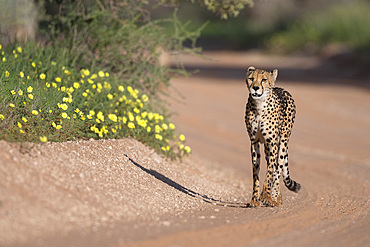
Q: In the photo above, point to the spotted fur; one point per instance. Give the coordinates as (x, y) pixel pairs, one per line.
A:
(269, 118)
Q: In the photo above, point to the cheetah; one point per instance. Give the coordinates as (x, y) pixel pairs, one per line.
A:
(269, 118)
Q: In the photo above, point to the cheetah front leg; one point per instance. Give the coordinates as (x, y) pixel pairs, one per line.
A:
(271, 155)
(256, 157)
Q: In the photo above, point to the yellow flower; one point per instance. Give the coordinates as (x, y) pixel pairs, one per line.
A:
(19, 49)
(63, 88)
(21, 74)
(64, 106)
(43, 139)
(182, 138)
(67, 72)
(2, 117)
(112, 117)
(86, 72)
(77, 110)
(110, 96)
(157, 129)
(76, 85)
(101, 73)
(4, 59)
(137, 111)
(107, 85)
(58, 127)
(181, 146)
(92, 112)
(158, 137)
(100, 116)
(33, 64)
(84, 94)
(142, 123)
(12, 92)
(131, 116)
(187, 149)
(29, 89)
(42, 76)
(54, 84)
(148, 129)
(21, 131)
(53, 63)
(19, 125)
(131, 125)
(20, 92)
(30, 96)
(172, 126)
(165, 126)
(64, 115)
(145, 98)
(106, 74)
(34, 112)
(58, 79)
(7, 73)
(24, 119)
(11, 105)
(121, 88)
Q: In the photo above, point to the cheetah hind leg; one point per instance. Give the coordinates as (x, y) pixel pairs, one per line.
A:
(276, 193)
(268, 186)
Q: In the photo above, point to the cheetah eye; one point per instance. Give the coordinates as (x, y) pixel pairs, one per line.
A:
(263, 80)
(251, 79)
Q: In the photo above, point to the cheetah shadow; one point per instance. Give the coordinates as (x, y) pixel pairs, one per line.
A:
(187, 191)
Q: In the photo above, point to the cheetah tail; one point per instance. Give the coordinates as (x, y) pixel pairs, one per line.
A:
(292, 185)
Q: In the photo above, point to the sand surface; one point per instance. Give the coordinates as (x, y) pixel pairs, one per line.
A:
(121, 193)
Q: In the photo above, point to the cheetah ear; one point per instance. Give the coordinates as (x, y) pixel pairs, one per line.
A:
(250, 70)
(274, 74)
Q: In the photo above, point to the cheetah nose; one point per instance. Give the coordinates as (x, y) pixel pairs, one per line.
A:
(255, 88)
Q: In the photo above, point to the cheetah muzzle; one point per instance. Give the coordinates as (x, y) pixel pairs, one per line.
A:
(269, 118)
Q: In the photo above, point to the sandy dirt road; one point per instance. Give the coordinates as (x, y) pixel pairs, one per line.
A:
(119, 193)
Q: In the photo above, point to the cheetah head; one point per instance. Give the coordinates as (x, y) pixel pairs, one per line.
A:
(260, 82)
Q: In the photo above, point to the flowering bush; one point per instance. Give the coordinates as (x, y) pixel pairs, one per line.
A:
(47, 101)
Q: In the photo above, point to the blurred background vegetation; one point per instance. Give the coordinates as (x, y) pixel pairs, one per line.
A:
(285, 26)
(282, 26)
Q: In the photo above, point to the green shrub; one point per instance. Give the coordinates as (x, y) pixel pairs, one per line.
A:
(45, 100)
(120, 37)
(346, 23)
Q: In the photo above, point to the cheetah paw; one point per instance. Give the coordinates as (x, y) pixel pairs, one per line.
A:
(267, 201)
(254, 203)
